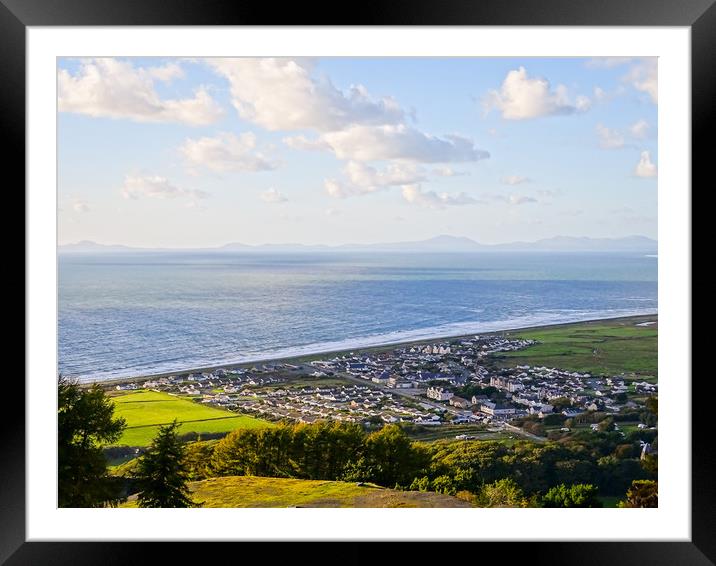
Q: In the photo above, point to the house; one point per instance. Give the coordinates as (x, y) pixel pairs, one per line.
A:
(495, 410)
(439, 394)
(456, 401)
(506, 384)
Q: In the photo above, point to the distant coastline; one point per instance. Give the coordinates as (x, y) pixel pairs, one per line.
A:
(442, 243)
(378, 346)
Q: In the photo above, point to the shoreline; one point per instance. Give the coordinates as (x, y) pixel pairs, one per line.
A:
(279, 358)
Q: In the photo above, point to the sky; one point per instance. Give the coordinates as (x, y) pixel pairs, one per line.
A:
(203, 152)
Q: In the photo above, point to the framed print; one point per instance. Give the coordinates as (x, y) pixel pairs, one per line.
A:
(418, 275)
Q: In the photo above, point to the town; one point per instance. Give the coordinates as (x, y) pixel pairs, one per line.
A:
(448, 381)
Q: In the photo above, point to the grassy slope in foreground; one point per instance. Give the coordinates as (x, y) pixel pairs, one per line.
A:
(145, 411)
(250, 491)
(599, 347)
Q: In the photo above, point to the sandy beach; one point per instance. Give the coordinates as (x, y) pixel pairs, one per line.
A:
(303, 358)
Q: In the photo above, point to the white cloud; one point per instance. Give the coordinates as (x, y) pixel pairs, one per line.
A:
(273, 196)
(521, 199)
(304, 143)
(166, 73)
(333, 212)
(110, 88)
(644, 77)
(521, 97)
(413, 194)
(363, 179)
(400, 142)
(155, 186)
(514, 180)
(394, 174)
(645, 167)
(341, 189)
(609, 138)
(226, 152)
(282, 94)
(448, 172)
(639, 129)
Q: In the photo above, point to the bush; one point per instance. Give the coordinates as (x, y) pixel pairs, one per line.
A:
(502, 493)
(576, 495)
(642, 493)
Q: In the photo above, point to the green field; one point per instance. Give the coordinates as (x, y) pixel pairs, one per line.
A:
(601, 347)
(250, 491)
(449, 432)
(145, 411)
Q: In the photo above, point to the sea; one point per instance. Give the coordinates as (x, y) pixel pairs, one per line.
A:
(133, 314)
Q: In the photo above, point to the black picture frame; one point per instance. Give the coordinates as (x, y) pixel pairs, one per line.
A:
(698, 15)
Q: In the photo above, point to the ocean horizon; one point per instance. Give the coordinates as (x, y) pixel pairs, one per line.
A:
(133, 314)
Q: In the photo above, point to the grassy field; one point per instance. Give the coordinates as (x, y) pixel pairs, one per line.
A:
(449, 432)
(145, 411)
(249, 491)
(600, 347)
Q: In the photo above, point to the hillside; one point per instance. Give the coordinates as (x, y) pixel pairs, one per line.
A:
(250, 491)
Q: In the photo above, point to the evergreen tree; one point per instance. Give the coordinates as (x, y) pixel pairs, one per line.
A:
(162, 471)
(85, 421)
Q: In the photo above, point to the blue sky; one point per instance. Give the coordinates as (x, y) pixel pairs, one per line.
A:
(191, 153)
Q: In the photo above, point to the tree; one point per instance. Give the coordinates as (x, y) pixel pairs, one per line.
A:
(392, 458)
(502, 493)
(606, 425)
(162, 471)
(642, 493)
(576, 495)
(85, 421)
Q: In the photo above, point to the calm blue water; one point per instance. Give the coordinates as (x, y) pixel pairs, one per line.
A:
(131, 314)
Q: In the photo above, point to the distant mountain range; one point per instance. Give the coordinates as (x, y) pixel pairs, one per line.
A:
(640, 244)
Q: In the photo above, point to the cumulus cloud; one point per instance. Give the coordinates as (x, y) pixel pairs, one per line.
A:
(155, 186)
(400, 142)
(514, 180)
(304, 143)
(644, 77)
(362, 179)
(521, 97)
(609, 138)
(521, 199)
(110, 88)
(448, 172)
(226, 152)
(282, 94)
(642, 73)
(166, 73)
(639, 129)
(413, 194)
(393, 174)
(341, 189)
(645, 168)
(273, 196)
